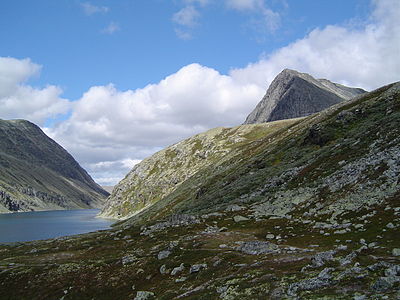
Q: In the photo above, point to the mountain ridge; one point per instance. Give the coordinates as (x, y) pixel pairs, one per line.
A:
(293, 94)
(38, 174)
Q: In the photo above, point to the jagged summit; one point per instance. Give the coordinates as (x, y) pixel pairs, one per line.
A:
(293, 94)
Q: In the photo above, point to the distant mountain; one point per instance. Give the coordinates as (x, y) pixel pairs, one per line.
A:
(293, 94)
(38, 174)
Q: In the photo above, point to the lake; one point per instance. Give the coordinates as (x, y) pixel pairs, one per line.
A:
(38, 225)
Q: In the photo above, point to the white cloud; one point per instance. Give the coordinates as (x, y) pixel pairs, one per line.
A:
(187, 16)
(108, 125)
(19, 100)
(366, 57)
(264, 20)
(91, 9)
(245, 5)
(111, 28)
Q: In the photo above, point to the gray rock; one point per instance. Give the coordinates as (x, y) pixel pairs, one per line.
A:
(396, 252)
(197, 268)
(348, 259)
(392, 271)
(177, 270)
(181, 279)
(173, 221)
(163, 254)
(308, 285)
(379, 265)
(128, 259)
(257, 247)
(163, 269)
(270, 236)
(385, 283)
(321, 258)
(293, 94)
(240, 218)
(234, 207)
(390, 226)
(144, 295)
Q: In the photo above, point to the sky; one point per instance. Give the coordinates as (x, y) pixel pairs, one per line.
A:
(115, 81)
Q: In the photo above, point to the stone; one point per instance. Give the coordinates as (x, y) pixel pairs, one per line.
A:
(144, 295)
(382, 284)
(270, 236)
(240, 218)
(234, 207)
(163, 254)
(358, 226)
(348, 259)
(197, 268)
(321, 258)
(163, 269)
(393, 271)
(390, 226)
(396, 252)
(178, 270)
(181, 279)
(257, 247)
(128, 259)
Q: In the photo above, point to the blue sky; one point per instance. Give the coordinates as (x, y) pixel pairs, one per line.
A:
(76, 52)
(114, 81)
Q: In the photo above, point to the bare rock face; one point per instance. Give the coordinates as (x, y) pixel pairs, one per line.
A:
(293, 94)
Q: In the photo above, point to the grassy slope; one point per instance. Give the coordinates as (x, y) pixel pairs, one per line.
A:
(159, 175)
(116, 264)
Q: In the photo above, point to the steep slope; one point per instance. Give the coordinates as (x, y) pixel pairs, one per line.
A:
(160, 174)
(331, 163)
(293, 94)
(38, 174)
(310, 211)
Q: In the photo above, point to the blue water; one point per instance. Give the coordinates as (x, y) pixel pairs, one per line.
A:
(38, 225)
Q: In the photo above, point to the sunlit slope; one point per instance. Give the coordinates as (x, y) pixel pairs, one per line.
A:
(157, 176)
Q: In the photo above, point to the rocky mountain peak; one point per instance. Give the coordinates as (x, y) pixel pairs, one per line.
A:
(294, 94)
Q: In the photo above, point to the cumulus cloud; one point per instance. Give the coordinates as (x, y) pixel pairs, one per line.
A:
(108, 125)
(111, 28)
(91, 9)
(366, 57)
(19, 100)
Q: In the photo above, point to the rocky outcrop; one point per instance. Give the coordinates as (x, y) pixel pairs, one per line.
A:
(38, 174)
(293, 94)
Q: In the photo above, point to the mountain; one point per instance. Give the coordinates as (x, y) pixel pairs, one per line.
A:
(309, 210)
(38, 174)
(157, 176)
(293, 94)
